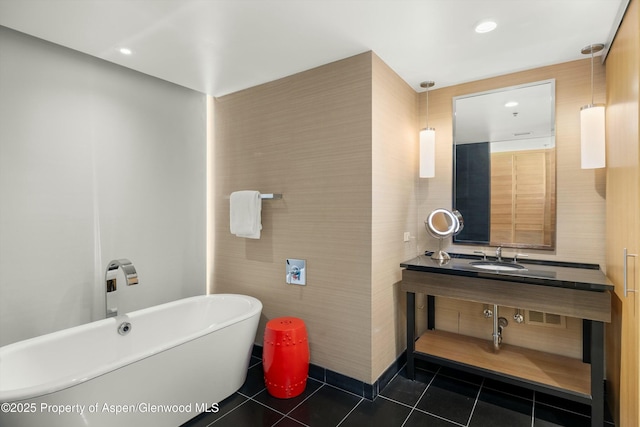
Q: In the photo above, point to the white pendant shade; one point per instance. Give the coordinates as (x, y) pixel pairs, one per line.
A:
(592, 140)
(427, 153)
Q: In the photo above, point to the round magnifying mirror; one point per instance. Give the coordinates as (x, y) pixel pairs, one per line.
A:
(443, 223)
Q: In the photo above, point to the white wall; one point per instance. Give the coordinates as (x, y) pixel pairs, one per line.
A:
(97, 162)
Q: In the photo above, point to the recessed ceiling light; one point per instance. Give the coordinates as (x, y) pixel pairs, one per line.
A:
(125, 51)
(485, 27)
(511, 104)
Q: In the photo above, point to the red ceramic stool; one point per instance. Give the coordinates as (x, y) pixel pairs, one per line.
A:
(285, 357)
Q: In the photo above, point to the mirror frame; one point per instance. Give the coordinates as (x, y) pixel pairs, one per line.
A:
(553, 240)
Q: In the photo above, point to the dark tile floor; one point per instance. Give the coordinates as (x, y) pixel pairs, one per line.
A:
(440, 397)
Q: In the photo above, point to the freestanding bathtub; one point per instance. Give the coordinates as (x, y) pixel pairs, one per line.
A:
(171, 363)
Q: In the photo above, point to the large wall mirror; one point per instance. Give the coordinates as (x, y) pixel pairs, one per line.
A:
(504, 172)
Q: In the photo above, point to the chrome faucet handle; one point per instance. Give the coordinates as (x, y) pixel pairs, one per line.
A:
(499, 253)
(515, 257)
(484, 256)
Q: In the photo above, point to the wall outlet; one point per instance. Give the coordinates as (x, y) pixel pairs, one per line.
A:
(407, 236)
(296, 271)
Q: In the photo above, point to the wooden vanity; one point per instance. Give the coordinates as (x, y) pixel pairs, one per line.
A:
(580, 291)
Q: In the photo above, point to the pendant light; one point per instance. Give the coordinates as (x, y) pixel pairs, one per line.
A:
(592, 135)
(427, 143)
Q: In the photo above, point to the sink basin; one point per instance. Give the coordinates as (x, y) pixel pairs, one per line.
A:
(498, 266)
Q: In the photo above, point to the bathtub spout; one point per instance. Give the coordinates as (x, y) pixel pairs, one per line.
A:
(131, 276)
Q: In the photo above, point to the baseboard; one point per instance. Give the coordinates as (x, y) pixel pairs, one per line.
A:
(344, 382)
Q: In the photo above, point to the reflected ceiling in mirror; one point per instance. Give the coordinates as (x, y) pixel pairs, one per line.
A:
(506, 115)
(504, 166)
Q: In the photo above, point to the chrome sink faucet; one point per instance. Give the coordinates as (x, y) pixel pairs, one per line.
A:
(499, 254)
(517, 255)
(131, 276)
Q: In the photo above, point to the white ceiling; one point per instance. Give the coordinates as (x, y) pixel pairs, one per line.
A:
(222, 46)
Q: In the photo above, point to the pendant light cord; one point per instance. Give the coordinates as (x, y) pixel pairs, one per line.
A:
(591, 74)
(427, 108)
(427, 85)
(592, 49)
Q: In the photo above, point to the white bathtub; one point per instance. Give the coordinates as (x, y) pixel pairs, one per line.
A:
(179, 359)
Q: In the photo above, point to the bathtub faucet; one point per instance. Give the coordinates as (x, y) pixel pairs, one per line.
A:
(131, 276)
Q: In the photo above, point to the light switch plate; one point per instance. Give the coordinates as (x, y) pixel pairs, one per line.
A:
(296, 271)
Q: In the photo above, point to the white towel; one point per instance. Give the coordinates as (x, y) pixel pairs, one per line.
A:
(245, 214)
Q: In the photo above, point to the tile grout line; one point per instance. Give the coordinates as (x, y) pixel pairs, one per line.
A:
(420, 410)
(395, 401)
(440, 417)
(236, 407)
(394, 376)
(415, 407)
(266, 406)
(475, 403)
(421, 396)
(343, 390)
(560, 408)
(304, 400)
(533, 410)
(292, 419)
(284, 415)
(349, 413)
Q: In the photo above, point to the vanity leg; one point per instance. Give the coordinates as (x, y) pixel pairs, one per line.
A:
(597, 374)
(431, 312)
(411, 334)
(586, 341)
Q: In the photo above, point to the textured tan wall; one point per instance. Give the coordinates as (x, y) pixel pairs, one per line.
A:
(339, 142)
(307, 136)
(394, 179)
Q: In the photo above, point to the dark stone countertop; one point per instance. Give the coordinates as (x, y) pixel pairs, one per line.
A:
(586, 277)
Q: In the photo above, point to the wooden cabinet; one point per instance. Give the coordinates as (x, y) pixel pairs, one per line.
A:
(623, 217)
